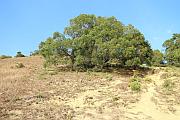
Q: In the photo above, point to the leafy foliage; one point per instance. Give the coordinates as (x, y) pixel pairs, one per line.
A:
(5, 56)
(172, 50)
(158, 58)
(135, 84)
(34, 53)
(19, 54)
(97, 42)
(53, 49)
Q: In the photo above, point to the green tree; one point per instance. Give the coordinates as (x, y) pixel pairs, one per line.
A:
(98, 42)
(106, 32)
(80, 43)
(54, 48)
(158, 58)
(132, 49)
(5, 56)
(172, 50)
(19, 54)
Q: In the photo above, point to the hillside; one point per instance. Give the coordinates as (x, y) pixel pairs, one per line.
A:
(32, 93)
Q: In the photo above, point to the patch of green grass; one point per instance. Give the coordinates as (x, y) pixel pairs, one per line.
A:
(135, 84)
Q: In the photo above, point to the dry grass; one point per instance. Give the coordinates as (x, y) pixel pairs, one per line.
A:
(32, 93)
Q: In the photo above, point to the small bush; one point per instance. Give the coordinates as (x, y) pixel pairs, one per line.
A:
(19, 54)
(135, 84)
(5, 56)
(19, 65)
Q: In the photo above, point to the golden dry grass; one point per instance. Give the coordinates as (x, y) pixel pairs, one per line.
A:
(32, 93)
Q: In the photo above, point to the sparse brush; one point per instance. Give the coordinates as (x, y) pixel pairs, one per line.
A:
(19, 65)
(135, 79)
(168, 84)
(5, 56)
(137, 74)
(109, 77)
(165, 75)
(147, 79)
(135, 84)
(89, 72)
(53, 72)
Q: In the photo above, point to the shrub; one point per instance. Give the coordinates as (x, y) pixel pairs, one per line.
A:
(19, 65)
(19, 54)
(135, 84)
(147, 79)
(5, 56)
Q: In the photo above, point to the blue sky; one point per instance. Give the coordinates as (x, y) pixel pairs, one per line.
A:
(24, 23)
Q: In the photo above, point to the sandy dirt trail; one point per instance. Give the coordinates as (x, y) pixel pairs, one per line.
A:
(146, 109)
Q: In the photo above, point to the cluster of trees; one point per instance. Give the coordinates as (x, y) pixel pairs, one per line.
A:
(5, 56)
(18, 54)
(91, 41)
(94, 41)
(171, 54)
(172, 50)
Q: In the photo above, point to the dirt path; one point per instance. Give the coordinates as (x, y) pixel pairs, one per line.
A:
(146, 109)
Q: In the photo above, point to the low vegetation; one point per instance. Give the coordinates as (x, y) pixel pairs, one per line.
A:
(19, 54)
(19, 65)
(135, 84)
(168, 84)
(5, 56)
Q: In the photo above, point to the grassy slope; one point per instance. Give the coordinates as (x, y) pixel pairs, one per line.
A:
(32, 93)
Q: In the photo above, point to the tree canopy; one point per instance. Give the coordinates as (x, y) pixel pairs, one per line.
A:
(172, 50)
(95, 41)
(158, 58)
